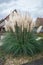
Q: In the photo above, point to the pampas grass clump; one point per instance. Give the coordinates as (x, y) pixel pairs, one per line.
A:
(20, 42)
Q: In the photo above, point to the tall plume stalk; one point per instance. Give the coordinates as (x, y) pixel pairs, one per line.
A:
(23, 20)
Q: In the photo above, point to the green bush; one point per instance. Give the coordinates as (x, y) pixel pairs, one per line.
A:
(41, 46)
(21, 42)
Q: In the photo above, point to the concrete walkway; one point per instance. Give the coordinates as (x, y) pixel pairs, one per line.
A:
(37, 62)
(1, 37)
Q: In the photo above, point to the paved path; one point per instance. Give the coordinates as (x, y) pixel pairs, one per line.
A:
(37, 62)
(1, 62)
(1, 37)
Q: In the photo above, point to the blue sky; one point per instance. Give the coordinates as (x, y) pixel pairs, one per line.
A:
(35, 7)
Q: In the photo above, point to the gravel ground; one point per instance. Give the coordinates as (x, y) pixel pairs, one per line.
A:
(37, 62)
